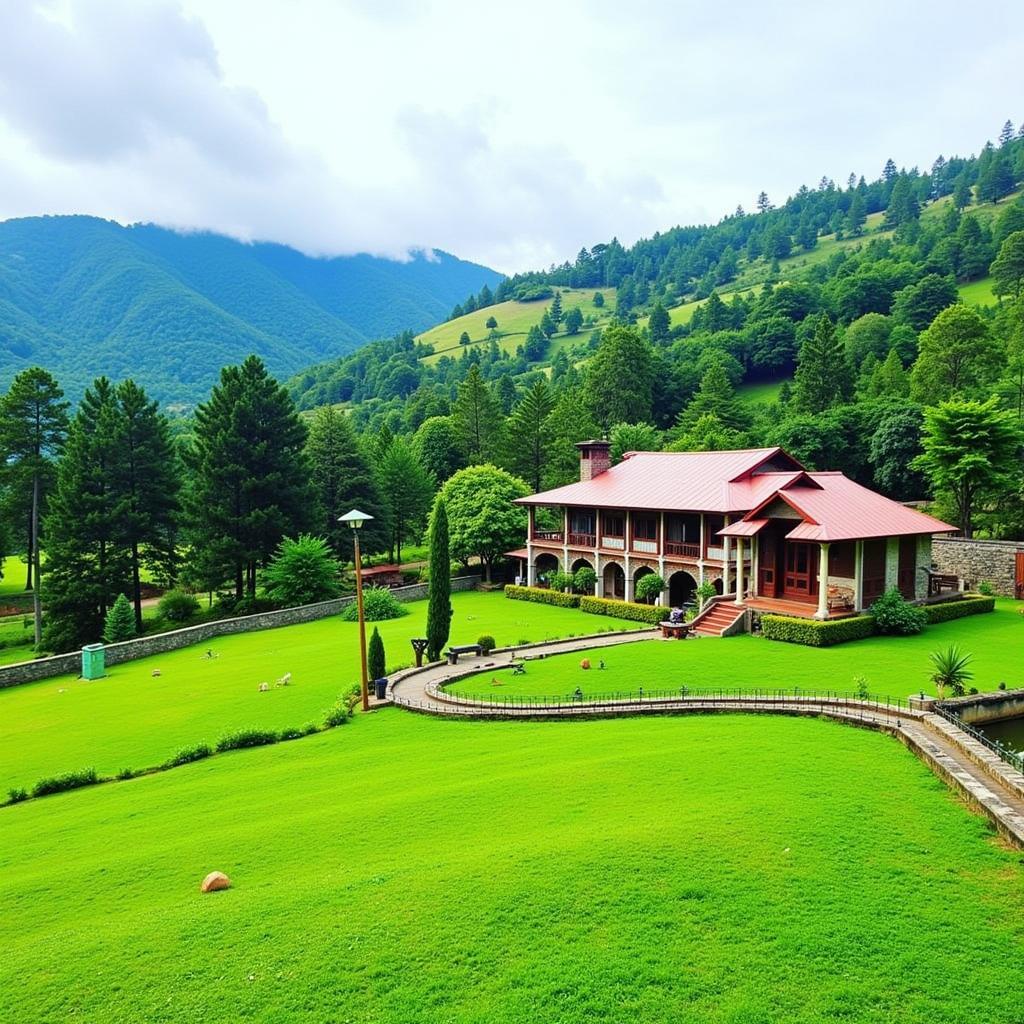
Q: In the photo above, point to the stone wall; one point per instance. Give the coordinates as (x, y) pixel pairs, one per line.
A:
(987, 707)
(161, 643)
(975, 561)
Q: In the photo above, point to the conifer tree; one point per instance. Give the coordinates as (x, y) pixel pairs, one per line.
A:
(659, 324)
(715, 397)
(33, 425)
(120, 624)
(555, 310)
(407, 489)
(476, 418)
(249, 476)
(823, 374)
(620, 378)
(439, 585)
(528, 436)
(375, 658)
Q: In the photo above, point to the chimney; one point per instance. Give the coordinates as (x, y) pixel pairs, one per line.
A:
(595, 458)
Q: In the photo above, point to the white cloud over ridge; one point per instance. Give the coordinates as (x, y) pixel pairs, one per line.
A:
(510, 135)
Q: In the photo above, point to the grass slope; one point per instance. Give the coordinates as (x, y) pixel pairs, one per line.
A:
(894, 666)
(132, 719)
(407, 870)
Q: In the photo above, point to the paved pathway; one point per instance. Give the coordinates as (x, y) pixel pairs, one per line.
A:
(988, 783)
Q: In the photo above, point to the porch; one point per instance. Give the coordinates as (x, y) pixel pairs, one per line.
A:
(797, 609)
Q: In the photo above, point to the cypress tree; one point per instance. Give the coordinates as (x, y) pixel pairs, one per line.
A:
(375, 655)
(439, 587)
(120, 622)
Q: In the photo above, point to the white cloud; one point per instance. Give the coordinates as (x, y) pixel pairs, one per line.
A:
(511, 134)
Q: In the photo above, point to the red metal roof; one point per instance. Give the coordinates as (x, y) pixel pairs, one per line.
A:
(744, 528)
(680, 481)
(835, 508)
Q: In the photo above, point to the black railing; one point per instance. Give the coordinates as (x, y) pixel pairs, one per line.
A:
(1011, 757)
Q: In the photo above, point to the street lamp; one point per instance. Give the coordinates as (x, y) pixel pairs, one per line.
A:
(355, 519)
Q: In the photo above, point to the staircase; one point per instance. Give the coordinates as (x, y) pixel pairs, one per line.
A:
(721, 618)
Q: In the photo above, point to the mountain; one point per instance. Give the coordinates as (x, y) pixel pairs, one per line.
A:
(84, 296)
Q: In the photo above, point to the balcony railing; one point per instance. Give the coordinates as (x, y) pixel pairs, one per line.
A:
(583, 540)
(648, 547)
(614, 543)
(548, 535)
(681, 549)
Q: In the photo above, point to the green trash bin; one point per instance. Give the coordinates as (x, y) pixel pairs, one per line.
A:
(93, 661)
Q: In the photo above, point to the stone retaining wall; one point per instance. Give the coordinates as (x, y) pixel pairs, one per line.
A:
(161, 643)
(987, 707)
(975, 561)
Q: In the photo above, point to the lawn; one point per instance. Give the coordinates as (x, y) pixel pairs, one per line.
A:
(133, 719)
(893, 666)
(761, 392)
(410, 870)
(978, 293)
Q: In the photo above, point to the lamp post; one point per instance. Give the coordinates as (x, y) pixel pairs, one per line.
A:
(355, 519)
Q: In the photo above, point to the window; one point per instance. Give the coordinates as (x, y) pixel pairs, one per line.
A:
(614, 524)
(841, 560)
(645, 528)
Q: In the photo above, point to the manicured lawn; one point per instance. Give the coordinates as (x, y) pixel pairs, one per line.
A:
(978, 293)
(408, 870)
(895, 666)
(135, 720)
(762, 392)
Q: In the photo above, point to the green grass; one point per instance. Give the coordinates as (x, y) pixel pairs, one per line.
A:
(409, 870)
(893, 666)
(132, 719)
(978, 293)
(761, 392)
(12, 584)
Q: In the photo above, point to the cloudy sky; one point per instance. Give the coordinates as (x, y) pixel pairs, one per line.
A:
(508, 133)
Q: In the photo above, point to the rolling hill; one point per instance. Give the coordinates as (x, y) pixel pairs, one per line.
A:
(83, 296)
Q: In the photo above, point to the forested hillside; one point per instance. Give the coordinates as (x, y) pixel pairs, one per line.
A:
(84, 296)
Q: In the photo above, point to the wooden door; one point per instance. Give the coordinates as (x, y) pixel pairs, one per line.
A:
(768, 577)
(1018, 588)
(800, 579)
(907, 567)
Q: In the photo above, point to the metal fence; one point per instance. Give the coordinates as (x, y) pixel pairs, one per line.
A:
(1011, 757)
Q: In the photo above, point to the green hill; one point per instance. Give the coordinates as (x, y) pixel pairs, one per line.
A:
(84, 296)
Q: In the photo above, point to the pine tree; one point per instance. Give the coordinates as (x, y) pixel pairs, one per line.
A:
(620, 378)
(823, 374)
(903, 205)
(996, 180)
(439, 584)
(120, 624)
(547, 324)
(856, 216)
(249, 476)
(659, 325)
(1006, 135)
(407, 489)
(342, 479)
(763, 203)
(33, 425)
(528, 436)
(476, 418)
(715, 397)
(375, 658)
(961, 193)
(555, 309)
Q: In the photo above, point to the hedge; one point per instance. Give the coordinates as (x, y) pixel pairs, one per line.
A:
(958, 609)
(814, 633)
(650, 613)
(541, 595)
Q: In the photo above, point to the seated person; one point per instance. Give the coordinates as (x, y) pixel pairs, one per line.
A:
(676, 616)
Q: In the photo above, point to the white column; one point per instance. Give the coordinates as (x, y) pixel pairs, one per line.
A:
(700, 554)
(531, 571)
(726, 554)
(599, 582)
(822, 612)
(858, 576)
(755, 565)
(565, 539)
(739, 570)
(627, 542)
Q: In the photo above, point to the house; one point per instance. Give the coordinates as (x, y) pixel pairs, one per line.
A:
(755, 523)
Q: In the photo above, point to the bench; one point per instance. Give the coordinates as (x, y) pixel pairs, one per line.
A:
(674, 630)
(454, 652)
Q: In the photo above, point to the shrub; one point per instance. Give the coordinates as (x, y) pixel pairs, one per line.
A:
(649, 587)
(177, 606)
(375, 662)
(486, 643)
(120, 622)
(985, 588)
(951, 670)
(378, 604)
(540, 595)
(62, 783)
(958, 609)
(15, 796)
(303, 571)
(245, 738)
(813, 633)
(127, 773)
(894, 615)
(561, 580)
(622, 609)
(188, 755)
(251, 606)
(296, 733)
(584, 580)
(339, 713)
(704, 592)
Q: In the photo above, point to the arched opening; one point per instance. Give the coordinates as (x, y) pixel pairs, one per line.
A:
(614, 581)
(583, 563)
(545, 565)
(638, 575)
(718, 585)
(681, 587)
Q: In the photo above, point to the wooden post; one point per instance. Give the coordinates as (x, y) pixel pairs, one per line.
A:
(362, 625)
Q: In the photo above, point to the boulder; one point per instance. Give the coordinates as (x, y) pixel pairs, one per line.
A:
(215, 881)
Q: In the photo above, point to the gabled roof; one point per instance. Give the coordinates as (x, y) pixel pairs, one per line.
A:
(733, 481)
(834, 508)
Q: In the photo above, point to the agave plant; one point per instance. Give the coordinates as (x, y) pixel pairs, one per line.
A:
(951, 670)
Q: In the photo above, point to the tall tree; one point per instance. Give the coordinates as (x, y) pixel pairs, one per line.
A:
(407, 489)
(971, 454)
(555, 309)
(715, 397)
(823, 374)
(249, 476)
(528, 436)
(476, 418)
(958, 355)
(439, 583)
(342, 479)
(1008, 267)
(633, 437)
(659, 325)
(437, 447)
(620, 378)
(570, 421)
(33, 425)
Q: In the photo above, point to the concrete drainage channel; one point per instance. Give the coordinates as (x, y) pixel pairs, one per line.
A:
(987, 782)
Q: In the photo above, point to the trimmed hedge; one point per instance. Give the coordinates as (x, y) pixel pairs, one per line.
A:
(958, 609)
(542, 595)
(62, 783)
(649, 613)
(813, 633)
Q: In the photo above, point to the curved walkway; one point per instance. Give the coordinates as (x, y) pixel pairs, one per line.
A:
(988, 783)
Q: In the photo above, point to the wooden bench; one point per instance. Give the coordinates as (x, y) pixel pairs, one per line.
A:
(454, 652)
(674, 630)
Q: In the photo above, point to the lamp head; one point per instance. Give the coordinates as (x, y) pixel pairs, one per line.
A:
(355, 518)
